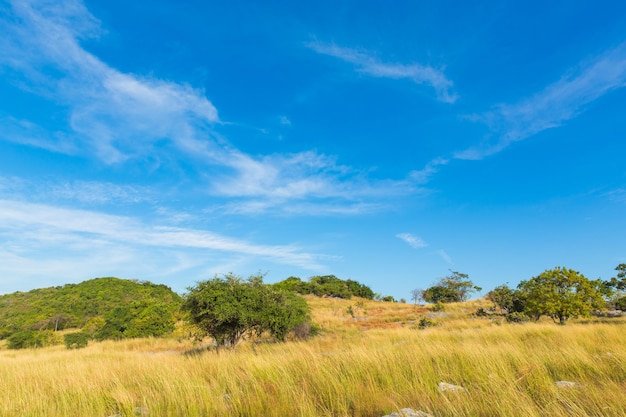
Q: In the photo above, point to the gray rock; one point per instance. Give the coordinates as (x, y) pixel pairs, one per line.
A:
(567, 384)
(409, 412)
(444, 386)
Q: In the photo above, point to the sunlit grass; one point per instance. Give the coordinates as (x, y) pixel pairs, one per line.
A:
(367, 365)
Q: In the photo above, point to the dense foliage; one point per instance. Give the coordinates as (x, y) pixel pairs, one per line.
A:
(231, 308)
(453, 288)
(102, 307)
(326, 286)
(507, 299)
(561, 293)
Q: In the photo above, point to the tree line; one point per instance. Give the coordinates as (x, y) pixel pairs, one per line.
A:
(227, 308)
(559, 293)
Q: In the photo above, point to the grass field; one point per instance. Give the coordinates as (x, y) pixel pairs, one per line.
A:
(368, 363)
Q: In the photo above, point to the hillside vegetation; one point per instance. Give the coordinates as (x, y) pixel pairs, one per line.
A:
(369, 359)
(106, 308)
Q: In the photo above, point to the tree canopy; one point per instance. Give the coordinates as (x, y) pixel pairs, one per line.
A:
(453, 288)
(562, 293)
(229, 308)
(508, 300)
(326, 285)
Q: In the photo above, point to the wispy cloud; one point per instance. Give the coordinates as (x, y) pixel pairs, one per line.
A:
(423, 176)
(76, 191)
(24, 226)
(552, 107)
(113, 114)
(304, 181)
(618, 195)
(444, 255)
(119, 117)
(368, 64)
(412, 240)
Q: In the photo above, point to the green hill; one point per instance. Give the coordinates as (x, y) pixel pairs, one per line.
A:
(106, 308)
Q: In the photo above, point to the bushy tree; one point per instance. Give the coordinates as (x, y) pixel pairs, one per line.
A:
(562, 293)
(293, 284)
(619, 281)
(617, 285)
(230, 308)
(30, 339)
(360, 290)
(329, 285)
(507, 299)
(326, 285)
(455, 287)
(76, 340)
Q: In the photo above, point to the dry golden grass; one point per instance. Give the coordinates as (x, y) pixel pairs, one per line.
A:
(369, 365)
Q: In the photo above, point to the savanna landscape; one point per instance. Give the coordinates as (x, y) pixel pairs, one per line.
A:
(361, 357)
(454, 163)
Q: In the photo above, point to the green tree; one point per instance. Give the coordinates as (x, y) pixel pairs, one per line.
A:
(229, 309)
(455, 287)
(76, 340)
(293, 284)
(359, 290)
(326, 285)
(619, 281)
(30, 339)
(507, 299)
(329, 285)
(562, 293)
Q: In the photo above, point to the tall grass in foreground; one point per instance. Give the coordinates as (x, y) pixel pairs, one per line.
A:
(508, 370)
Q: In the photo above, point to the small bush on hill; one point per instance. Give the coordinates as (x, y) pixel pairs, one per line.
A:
(76, 340)
(456, 287)
(517, 317)
(30, 339)
(326, 286)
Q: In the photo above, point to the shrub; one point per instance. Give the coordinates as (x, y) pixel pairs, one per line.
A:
(76, 340)
(455, 287)
(425, 322)
(30, 339)
(229, 309)
(438, 306)
(517, 317)
(481, 312)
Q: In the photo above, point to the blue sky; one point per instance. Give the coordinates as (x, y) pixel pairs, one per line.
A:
(383, 142)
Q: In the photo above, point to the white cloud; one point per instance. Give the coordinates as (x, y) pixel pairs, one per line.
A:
(118, 117)
(285, 121)
(419, 74)
(555, 105)
(113, 114)
(27, 226)
(77, 191)
(287, 181)
(413, 241)
(423, 176)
